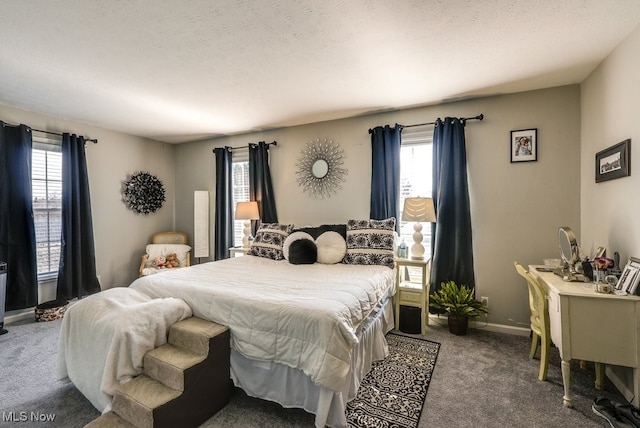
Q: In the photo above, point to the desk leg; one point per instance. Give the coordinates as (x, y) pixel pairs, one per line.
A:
(599, 376)
(566, 380)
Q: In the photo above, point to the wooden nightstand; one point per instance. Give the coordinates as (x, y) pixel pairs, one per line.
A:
(412, 288)
(237, 251)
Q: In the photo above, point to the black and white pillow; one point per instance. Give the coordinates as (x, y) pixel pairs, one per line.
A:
(300, 248)
(269, 240)
(370, 242)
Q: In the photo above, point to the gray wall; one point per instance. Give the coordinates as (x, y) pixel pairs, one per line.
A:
(609, 209)
(516, 208)
(120, 235)
(610, 115)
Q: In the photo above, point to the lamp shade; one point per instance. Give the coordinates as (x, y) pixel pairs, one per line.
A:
(247, 211)
(418, 209)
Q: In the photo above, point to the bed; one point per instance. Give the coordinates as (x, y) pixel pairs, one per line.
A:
(302, 335)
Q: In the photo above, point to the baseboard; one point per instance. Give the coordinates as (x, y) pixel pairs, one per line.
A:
(498, 328)
(19, 316)
(613, 375)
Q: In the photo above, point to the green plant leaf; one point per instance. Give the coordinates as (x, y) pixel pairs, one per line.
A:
(458, 300)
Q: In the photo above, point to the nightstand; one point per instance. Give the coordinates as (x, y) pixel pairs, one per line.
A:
(237, 251)
(412, 288)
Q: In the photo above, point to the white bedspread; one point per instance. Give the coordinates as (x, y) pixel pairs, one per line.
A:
(103, 339)
(304, 316)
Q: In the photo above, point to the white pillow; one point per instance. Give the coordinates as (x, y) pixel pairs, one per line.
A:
(157, 250)
(331, 248)
(294, 237)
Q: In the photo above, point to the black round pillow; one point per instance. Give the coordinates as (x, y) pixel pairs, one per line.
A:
(303, 252)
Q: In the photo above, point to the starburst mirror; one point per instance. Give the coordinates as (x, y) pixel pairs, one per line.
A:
(319, 168)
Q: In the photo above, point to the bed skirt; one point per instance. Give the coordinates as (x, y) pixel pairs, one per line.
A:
(292, 388)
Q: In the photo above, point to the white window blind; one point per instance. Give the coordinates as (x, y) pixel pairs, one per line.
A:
(416, 165)
(240, 190)
(46, 187)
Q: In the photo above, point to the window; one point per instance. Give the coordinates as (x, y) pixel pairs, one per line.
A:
(240, 192)
(416, 165)
(46, 188)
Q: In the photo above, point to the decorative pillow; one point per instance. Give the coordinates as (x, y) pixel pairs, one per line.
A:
(303, 252)
(269, 240)
(316, 231)
(370, 242)
(294, 236)
(332, 247)
(163, 250)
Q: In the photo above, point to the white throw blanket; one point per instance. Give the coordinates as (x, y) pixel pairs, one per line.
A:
(304, 316)
(103, 339)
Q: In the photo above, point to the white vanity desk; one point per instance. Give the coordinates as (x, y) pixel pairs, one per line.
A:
(591, 326)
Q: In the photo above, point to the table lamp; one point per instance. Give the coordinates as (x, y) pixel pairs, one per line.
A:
(418, 209)
(247, 211)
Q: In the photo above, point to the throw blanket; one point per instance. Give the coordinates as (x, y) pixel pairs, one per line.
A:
(304, 316)
(103, 339)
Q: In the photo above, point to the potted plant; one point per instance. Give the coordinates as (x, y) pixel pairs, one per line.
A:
(459, 303)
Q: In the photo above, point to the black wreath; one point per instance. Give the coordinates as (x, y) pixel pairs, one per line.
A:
(143, 193)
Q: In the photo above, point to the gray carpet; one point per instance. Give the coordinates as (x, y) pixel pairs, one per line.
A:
(483, 379)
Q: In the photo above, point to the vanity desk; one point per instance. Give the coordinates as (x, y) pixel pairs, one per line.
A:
(591, 326)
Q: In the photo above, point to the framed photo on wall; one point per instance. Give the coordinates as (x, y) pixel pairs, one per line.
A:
(630, 278)
(614, 162)
(524, 145)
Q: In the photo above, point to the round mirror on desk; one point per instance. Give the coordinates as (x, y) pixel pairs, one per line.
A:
(568, 246)
(570, 253)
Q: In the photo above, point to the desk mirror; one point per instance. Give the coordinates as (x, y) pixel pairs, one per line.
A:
(570, 253)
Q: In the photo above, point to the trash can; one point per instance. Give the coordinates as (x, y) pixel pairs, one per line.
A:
(410, 320)
(3, 294)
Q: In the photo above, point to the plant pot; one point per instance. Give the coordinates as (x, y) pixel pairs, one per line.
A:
(458, 325)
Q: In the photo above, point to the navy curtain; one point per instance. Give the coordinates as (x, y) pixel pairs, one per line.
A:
(260, 187)
(17, 231)
(452, 243)
(385, 172)
(77, 271)
(223, 223)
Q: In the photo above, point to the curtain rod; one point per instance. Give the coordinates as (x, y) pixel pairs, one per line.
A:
(275, 143)
(463, 119)
(93, 140)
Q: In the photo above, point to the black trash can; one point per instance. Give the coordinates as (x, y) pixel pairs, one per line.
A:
(410, 319)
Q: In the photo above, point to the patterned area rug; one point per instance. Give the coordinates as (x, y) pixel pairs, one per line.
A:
(393, 392)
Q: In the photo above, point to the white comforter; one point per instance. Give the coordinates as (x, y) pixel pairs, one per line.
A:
(304, 316)
(103, 339)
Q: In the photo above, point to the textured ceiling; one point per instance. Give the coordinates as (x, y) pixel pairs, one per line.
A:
(178, 70)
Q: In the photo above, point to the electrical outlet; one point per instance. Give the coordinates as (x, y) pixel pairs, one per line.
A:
(485, 300)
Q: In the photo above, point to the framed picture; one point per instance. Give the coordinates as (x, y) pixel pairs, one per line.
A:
(628, 282)
(524, 145)
(614, 162)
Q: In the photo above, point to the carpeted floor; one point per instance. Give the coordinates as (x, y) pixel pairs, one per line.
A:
(483, 379)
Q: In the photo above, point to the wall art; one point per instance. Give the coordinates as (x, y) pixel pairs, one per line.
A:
(524, 145)
(143, 193)
(319, 168)
(614, 162)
